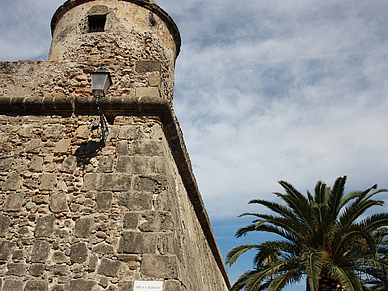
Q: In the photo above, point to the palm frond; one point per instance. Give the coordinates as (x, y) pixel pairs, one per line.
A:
(234, 254)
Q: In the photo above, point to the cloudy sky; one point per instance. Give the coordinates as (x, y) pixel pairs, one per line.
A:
(266, 90)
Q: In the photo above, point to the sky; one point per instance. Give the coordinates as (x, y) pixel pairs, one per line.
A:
(265, 91)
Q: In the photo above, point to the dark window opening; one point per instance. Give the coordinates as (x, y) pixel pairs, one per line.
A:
(97, 23)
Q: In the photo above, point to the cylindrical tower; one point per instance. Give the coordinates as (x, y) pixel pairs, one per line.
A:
(128, 36)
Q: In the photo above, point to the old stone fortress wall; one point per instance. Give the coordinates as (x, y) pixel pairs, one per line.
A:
(79, 215)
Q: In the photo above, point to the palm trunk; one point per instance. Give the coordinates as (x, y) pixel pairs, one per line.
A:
(327, 283)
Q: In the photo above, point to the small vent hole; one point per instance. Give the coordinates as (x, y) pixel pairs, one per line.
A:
(97, 23)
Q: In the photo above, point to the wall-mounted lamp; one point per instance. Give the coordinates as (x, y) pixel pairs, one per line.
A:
(101, 81)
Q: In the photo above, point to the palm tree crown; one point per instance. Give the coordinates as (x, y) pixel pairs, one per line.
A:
(324, 237)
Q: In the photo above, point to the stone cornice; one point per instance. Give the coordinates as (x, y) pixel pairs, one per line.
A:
(118, 105)
(68, 5)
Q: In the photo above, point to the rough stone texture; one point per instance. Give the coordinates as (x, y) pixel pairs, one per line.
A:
(76, 214)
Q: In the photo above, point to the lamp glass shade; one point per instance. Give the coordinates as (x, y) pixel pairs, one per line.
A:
(101, 81)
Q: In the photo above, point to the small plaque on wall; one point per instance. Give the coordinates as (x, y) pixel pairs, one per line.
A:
(148, 285)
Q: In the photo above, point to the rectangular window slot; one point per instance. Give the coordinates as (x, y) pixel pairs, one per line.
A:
(97, 23)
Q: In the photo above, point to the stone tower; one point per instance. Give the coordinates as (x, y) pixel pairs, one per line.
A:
(79, 214)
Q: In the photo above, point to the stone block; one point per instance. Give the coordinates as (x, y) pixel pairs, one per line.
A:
(128, 132)
(136, 201)
(126, 286)
(154, 79)
(115, 182)
(36, 285)
(78, 253)
(14, 202)
(12, 285)
(5, 222)
(121, 148)
(60, 258)
(45, 226)
(34, 146)
(12, 182)
(157, 221)
(54, 131)
(93, 261)
(148, 66)
(131, 220)
(47, 181)
(58, 203)
(82, 285)
(16, 269)
(59, 270)
(69, 164)
(18, 255)
(147, 92)
(158, 266)
(36, 164)
(104, 201)
(172, 285)
(83, 227)
(138, 243)
(40, 251)
(105, 164)
(62, 146)
(103, 248)
(151, 183)
(6, 164)
(6, 248)
(147, 148)
(36, 269)
(25, 130)
(157, 165)
(83, 132)
(90, 181)
(109, 267)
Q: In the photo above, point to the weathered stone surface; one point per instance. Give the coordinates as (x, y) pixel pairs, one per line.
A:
(122, 148)
(5, 221)
(147, 66)
(12, 285)
(154, 79)
(59, 270)
(60, 257)
(172, 285)
(40, 251)
(83, 227)
(36, 164)
(147, 148)
(14, 202)
(45, 226)
(13, 181)
(93, 261)
(36, 285)
(138, 243)
(6, 248)
(78, 253)
(18, 255)
(36, 269)
(147, 92)
(160, 266)
(83, 132)
(115, 182)
(5, 164)
(157, 221)
(131, 220)
(104, 201)
(62, 146)
(34, 146)
(69, 164)
(54, 131)
(103, 248)
(126, 286)
(16, 269)
(109, 267)
(105, 164)
(47, 181)
(136, 201)
(151, 183)
(58, 203)
(82, 285)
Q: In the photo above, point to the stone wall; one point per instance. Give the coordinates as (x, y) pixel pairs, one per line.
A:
(75, 216)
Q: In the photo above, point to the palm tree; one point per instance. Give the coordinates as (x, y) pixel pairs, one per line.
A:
(325, 238)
